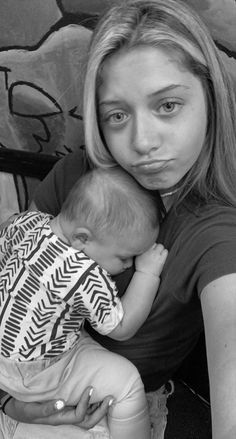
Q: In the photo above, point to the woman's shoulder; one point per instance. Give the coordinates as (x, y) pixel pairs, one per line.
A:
(74, 159)
(213, 215)
(52, 191)
(71, 166)
(207, 212)
(201, 245)
(205, 223)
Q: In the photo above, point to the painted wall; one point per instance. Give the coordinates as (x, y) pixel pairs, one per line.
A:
(43, 52)
(219, 15)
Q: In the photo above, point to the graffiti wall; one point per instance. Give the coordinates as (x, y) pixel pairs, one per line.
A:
(43, 48)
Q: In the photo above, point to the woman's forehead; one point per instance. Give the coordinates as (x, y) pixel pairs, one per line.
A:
(141, 70)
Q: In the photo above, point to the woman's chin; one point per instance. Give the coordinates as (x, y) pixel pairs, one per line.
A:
(152, 183)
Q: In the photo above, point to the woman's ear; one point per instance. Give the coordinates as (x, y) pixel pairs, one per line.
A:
(80, 238)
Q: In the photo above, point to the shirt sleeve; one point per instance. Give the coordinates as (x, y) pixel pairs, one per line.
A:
(3, 243)
(52, 191)
(6, 235)
(218, 244)
(7, 232)
(103, 306)
(202, 248)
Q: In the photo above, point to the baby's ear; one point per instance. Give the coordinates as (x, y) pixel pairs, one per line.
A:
(80, 238)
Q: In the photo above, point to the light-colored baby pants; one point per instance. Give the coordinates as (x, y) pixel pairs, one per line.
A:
(88, 364)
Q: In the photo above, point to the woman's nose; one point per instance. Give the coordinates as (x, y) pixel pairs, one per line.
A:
(146, 136)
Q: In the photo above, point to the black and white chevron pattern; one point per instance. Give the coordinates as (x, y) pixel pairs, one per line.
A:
(47, 290)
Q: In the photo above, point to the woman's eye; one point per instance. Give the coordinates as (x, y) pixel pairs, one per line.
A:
(169, 107)
(116, 118)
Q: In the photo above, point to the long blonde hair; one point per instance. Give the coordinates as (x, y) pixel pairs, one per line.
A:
(172, 25)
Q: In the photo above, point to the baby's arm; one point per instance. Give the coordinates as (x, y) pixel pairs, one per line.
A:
(138, 298)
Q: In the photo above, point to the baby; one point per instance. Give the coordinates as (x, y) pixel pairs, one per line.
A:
(56, 273)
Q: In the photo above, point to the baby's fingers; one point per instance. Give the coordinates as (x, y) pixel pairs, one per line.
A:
(158, 248)
(161, 254)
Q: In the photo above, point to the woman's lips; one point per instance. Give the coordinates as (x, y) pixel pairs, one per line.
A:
(149, 166)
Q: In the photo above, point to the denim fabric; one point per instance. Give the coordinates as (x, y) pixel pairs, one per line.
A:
(157, 407)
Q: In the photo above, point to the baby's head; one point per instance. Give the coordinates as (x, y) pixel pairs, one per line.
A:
(110, 217)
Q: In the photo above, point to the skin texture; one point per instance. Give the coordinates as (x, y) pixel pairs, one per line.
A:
(84, 415)
(156, 111)
(115, 254)
(218, 301)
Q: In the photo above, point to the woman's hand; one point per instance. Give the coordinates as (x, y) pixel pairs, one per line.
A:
(54, 412)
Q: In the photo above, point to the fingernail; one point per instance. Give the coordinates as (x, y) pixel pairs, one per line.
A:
(111, 402)
(90, 392)
(59, 404)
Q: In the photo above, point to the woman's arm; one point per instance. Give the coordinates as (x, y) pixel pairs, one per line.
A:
(51, 413)
(218, 300)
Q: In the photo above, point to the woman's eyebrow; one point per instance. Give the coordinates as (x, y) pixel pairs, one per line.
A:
(110, 102)
(153, 94)
(168, 88)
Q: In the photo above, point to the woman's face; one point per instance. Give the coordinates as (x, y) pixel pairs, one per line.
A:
(153, 115)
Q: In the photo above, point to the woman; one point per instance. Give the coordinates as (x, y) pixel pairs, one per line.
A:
(158, 102)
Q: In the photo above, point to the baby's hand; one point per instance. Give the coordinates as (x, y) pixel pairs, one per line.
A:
(152, 261)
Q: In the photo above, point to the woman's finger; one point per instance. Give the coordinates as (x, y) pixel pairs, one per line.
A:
(84, 414)
(69, 414)
(98, 414)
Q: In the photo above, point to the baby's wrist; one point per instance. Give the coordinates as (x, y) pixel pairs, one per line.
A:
(148, 273)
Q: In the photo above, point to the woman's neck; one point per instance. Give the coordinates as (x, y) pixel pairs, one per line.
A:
(168, 202)
(168, 197)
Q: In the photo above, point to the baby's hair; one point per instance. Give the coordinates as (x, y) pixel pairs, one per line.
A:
(111, 201)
